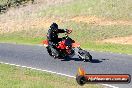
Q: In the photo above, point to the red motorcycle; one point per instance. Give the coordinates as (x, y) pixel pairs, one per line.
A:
(67, 47)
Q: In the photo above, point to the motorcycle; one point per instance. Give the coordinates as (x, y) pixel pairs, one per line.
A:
(67, 47)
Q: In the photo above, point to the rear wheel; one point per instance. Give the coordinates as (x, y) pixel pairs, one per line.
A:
(49, 50)
(52, 52)
(61, 54)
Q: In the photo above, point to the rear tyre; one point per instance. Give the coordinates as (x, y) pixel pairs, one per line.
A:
(49, 51)
(54, 53)
(61, 55)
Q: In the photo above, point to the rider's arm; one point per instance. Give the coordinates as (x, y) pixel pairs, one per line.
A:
(50, 35)
(62, 30)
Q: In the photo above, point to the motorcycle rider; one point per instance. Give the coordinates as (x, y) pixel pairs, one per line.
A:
(52, 37)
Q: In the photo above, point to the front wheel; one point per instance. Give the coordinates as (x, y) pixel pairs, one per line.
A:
(83, 54)
(88, 57)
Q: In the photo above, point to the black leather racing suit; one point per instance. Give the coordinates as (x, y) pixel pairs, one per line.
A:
(52, 36)
(53, 40)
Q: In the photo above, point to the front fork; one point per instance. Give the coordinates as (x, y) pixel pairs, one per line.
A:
(77, 51)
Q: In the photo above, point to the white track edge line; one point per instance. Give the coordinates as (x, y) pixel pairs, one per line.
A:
(108, 85)
(38, 69)
(32, 68)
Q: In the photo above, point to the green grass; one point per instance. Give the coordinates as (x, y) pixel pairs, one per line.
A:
(86, 35)
(81, 31)
(98, 46)
(108, 47)
(2, 2)
(96, 32)
(115, 9)
(15, 77)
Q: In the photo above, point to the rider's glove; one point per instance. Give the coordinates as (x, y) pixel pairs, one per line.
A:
(65, 30)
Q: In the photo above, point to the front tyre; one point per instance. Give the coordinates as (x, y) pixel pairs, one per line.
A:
(88, 57)
(83, 54)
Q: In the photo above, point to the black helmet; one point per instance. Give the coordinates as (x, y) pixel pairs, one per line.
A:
(54, 26)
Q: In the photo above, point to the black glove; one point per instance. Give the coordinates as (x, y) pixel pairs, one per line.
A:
(66, 30)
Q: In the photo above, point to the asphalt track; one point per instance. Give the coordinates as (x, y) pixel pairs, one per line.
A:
(37, 57)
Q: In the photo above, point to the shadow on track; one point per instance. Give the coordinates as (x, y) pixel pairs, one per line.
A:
(69, 59)
(96, 61)
(77, 59)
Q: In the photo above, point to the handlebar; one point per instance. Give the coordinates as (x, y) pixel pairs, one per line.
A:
(69, 31)
(67, 34)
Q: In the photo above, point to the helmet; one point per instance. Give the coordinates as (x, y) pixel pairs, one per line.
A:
(54, 26)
